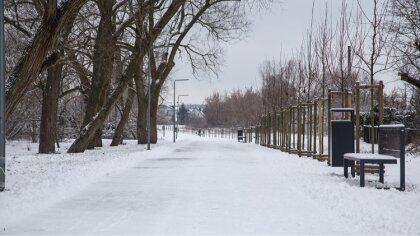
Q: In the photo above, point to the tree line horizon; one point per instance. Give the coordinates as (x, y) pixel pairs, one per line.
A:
(77, 64)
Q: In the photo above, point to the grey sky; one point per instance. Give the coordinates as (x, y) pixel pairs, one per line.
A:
(280, 29)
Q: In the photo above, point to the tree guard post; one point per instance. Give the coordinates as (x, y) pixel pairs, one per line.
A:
(274, 119)
(321, 128)
(315, 108)
(380, 104)
(299, 130)
(289, 144)
(329, 126)
(357, 105)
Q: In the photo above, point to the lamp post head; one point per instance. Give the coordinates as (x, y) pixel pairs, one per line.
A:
(180, 80)
(182, 95)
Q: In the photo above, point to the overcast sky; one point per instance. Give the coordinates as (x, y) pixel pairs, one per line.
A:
(279, 29)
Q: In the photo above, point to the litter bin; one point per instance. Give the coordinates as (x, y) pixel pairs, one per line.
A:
(392, 142)
(341, 138)
(240, 135)
(367, 132)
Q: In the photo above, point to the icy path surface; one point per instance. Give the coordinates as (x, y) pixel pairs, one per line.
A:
(224, 187)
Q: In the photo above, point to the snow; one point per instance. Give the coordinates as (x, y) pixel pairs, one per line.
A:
(358, 156)
(393, 126)
(199, 185)
(342, 109)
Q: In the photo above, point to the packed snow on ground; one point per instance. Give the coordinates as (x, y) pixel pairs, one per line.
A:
(199, 185)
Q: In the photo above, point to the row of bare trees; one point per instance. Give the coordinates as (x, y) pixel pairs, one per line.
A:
(236, 109)
(361, 45)
(83, 61)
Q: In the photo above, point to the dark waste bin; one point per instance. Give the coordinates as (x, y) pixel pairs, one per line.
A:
(392, 142)
(341, 138)
(240, 135)
(367, 132)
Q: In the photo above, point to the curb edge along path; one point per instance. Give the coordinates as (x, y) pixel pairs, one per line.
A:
(225, 187)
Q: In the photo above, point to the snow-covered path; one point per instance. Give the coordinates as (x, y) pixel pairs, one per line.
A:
(225, 187)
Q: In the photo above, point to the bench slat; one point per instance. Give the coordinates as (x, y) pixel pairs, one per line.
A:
(367, 156)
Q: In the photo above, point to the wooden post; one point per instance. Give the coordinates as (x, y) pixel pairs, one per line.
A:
(381, 102)
(321, 127)
(329, 125)
(315, 123)
(278, 128)
(290, 129)
(299, 129)
(357, 125)
(268, 129)
(274, 128)
(310, 116)
(265, 130)
(281, 129)
(380, 105)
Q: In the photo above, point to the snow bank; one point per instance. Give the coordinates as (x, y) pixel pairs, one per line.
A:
(200, 185)
(36, 181)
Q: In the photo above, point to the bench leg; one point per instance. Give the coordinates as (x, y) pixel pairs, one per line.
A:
(381, 173)
(346, 168)
(362, 174)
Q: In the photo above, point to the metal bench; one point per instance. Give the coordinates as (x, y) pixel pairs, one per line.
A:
(364, 158)
(391, 148)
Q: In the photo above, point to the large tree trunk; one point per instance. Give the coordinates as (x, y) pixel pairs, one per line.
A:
(88, 132)
(34, 59)
(141, 108)
(119, 131)
(141, 47)
(103, 60)
(153, 121)
(50, 96)
(411, 80)
(159, 77)
(48, 129)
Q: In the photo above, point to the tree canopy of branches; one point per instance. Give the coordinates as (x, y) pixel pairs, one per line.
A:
(87, 61)
(406, 49)
(237, 109)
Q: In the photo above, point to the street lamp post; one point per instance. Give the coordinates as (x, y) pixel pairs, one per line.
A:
(2, 102)
(179, 115)
(175, 104)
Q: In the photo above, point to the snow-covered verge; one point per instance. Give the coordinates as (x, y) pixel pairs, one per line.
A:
(36, 181)
(200, 185)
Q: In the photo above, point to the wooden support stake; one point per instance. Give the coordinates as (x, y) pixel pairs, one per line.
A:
(299, 129)
(329, 125)
(357, 105)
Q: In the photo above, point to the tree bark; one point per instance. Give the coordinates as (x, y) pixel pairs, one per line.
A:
(119, 131)
(415, 82)
(88, 132)
(141, 107)
(32, 63)
(50, 96)
(153, 121)
(103, 60)
(141, 47)
(48, 128)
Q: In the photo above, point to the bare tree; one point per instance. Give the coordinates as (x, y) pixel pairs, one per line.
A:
(38, 55)
(142, 46)
(406, 49)
(372, 50)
